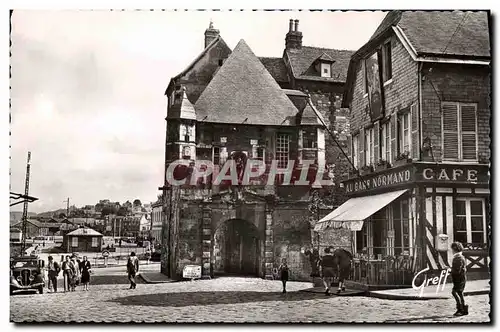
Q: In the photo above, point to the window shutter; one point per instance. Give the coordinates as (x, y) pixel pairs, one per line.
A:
(394, 127)
(469, 133)
(415, 143)
(361, 141)
(450, 130)
(349, 148)
(376, 142)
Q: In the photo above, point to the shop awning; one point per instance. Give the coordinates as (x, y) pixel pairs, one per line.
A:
(352, 213)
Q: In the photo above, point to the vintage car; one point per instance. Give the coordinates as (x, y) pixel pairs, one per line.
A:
(26, 274)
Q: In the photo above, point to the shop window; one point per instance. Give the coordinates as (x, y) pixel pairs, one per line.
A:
(459, 131)
(74, 241)
(95, 242)
(401, 220)
(282, 149)
(469, 225)
(404, 134)
(355, 152)
(385, 142)
(369, 145)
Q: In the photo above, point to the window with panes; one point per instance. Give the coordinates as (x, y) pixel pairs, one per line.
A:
(404, 133)
(369, 147)
(282, 149)
(469, 224)
(355, 152)
(385, 142)
(459, 121)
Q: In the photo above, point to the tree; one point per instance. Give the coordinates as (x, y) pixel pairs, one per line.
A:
(137, 202)
(108, 210)
(62, 215)
(122, 211)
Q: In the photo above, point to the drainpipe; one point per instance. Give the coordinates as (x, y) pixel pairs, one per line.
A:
(420, 195)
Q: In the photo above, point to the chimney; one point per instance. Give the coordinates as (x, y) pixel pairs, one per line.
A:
(210, 34)
(293, 38)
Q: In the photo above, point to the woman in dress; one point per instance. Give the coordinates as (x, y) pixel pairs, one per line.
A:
(85, 272)
(283, 271)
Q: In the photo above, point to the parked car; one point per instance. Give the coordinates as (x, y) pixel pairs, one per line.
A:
(26, 274)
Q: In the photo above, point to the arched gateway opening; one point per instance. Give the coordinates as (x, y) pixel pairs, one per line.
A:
(236, 249)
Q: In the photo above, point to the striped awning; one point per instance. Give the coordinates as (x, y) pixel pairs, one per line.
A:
(353, 212)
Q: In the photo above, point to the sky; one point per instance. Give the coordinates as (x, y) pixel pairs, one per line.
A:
(87, 90)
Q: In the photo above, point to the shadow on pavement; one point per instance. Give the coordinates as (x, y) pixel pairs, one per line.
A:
(184, 299)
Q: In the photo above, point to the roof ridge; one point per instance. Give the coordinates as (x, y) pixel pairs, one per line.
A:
(329, 49)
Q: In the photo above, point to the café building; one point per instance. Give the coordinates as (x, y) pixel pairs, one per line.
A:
(420, 145)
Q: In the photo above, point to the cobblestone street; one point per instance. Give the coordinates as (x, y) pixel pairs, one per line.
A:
(230, 300)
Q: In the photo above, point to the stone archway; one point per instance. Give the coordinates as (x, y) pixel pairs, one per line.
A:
(236, 248)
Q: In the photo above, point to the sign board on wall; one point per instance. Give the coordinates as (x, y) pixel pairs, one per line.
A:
(460, 174)
(191, 272)
(385, 179)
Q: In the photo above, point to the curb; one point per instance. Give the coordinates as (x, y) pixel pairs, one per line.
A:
(386, 296)
(149, 281)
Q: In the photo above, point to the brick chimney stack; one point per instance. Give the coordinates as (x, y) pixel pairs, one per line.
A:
(210, 34)
(293, 38)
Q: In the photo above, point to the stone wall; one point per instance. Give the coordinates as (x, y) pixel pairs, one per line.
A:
(291, 238)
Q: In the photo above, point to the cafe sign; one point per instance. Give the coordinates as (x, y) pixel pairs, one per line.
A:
(379, 180)
(471, 174)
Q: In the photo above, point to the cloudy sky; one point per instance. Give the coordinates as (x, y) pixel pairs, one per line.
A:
(87, 90)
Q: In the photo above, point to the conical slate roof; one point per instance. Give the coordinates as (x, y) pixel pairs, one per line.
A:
(243, 92)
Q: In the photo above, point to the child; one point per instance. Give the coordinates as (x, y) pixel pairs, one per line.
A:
(283, 270)
(458, 277)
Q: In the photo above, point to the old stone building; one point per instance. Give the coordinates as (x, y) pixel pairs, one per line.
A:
(231, 105)
(419, 96)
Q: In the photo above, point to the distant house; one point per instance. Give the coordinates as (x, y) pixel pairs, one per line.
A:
(33, 228)
(84, 240)
(82, 221)
(145, 224)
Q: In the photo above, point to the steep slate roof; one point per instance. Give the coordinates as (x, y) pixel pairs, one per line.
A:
(301, 61)
(276, 67)
(439, 34)
(205, 50)
(244, 92)
(447, 33)
(435, 32)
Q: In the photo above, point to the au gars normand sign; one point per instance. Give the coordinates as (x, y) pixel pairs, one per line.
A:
(386, 179)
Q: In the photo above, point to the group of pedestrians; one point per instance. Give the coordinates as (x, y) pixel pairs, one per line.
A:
(333, 263)
(74, 271)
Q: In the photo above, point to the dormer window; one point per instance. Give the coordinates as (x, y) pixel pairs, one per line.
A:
(326, 70)
(323, 65)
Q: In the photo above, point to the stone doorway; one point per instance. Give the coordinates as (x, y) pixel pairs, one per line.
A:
(236, 249)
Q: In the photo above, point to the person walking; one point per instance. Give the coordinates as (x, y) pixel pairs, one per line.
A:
(85, 269)
(67, 274)
(342, 259)
(327, 270)
(53, 272)
(132, 269)
(283, 271)
(458, 271)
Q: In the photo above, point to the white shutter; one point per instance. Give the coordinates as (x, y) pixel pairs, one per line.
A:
(450, 131)
(469, 132)
(414, 141)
